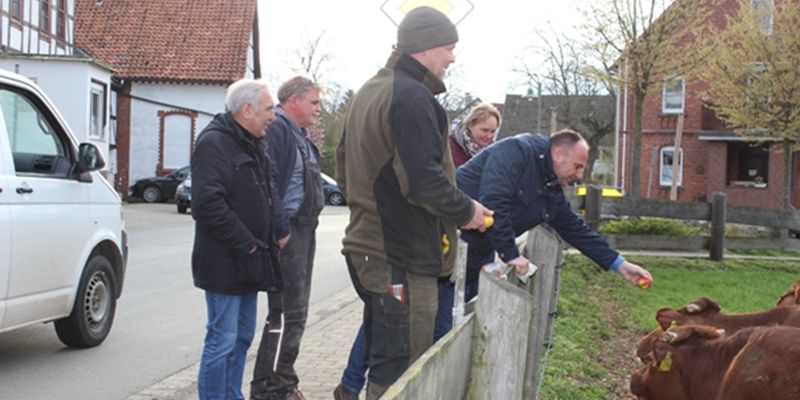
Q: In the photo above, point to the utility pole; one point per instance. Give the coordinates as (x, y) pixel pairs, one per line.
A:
(539, 107)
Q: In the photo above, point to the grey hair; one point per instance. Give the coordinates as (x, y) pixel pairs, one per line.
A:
(297, 86)
(244, 91)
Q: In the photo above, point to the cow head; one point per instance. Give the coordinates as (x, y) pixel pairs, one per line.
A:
(694, 313)
(791, 297)
(661, 378)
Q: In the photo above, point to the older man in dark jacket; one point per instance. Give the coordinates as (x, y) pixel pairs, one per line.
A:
(235, 232)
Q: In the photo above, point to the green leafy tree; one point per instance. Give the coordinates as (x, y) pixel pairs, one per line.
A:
(754, 75)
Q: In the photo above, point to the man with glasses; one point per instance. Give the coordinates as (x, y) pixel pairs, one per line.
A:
(297, 180)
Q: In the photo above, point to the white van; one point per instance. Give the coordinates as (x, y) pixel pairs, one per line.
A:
(63, 245)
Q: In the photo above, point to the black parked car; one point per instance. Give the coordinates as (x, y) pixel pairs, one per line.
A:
(333, 195)
(183, 195)
(159, 188)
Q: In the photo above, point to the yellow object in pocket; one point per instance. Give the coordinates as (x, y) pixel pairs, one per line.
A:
(445, 244)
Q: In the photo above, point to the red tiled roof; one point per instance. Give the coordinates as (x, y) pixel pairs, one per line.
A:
(168, 40)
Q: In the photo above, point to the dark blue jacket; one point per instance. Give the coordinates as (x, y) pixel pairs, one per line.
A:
(282, 149)
(232, 205)
(515, 178)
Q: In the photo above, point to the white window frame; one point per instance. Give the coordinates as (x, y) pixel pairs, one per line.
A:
(763, 9)
(664, 168)
(671, 92)
(96, 112)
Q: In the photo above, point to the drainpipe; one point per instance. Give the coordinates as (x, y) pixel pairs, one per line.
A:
(624, 124)
(616, 135)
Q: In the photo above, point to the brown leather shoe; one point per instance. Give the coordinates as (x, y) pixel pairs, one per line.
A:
(342, 393)
(296, 394)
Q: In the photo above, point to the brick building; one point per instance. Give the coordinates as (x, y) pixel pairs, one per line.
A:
(712, 158)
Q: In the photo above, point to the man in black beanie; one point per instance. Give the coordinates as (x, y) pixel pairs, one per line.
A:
(394, 166)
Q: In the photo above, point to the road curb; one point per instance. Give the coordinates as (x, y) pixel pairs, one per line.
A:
(182, 385)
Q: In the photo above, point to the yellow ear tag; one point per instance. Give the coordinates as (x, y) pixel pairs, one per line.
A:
(445, 244)
(672, 324)
(666, 363)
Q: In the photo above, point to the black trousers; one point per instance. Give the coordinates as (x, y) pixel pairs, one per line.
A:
(274, 375)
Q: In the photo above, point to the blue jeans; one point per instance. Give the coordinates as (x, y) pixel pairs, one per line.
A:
(354, 375)
(229, 332)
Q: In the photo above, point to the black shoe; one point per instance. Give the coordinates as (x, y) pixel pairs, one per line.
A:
(342, 393)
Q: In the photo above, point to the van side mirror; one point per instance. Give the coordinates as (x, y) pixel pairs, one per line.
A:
(89, 158)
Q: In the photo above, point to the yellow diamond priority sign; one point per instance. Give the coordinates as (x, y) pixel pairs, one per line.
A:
(456, 10)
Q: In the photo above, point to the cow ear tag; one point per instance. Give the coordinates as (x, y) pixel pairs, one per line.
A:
(666, 363)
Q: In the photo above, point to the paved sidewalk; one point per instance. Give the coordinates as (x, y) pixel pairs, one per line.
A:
(325, 347)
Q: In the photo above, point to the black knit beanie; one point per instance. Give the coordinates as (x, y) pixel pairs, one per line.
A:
(425, 28)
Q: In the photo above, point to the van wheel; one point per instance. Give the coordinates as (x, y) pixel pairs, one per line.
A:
(151, 194)
(95, 305)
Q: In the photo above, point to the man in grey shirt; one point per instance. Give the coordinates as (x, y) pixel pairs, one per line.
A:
(298, 183)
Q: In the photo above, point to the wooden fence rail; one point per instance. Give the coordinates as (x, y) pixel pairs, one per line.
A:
(495, 351)
(717, 212)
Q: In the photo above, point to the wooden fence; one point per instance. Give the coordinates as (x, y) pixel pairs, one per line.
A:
(718, 212)
(495, 351)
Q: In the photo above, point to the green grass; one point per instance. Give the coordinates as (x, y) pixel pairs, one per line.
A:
(578, 366)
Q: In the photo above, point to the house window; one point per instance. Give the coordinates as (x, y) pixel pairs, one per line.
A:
(97, 111)
(672, 99)
(763, 11)
(177, 139)
(666, 157)
(16, 10)
(61, 22)
(44, 17)
(747, 163)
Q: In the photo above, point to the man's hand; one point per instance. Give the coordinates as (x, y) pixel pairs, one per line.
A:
(633, 273)
(282, 241)
(478, 220)
(520, 265)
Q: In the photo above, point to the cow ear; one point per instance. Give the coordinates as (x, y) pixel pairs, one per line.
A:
(665, 317)
(662, 358)
(700, 305)
(698, 332)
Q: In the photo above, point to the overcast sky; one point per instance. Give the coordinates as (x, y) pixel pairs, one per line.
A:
(359, 37)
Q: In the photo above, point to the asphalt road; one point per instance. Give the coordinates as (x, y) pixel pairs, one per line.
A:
(159, 326)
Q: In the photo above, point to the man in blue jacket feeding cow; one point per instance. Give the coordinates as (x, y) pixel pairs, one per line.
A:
(521, 179)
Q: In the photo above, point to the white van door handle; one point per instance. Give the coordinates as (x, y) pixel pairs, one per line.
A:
(24, 190)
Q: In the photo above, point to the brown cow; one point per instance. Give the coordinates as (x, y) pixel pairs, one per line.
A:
(791, 297)
(766, 368)
(688, 363)
(705, 311)
(699, 362)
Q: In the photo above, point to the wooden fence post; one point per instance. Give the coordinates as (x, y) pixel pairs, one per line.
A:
(718, 213)
(544, 249)
(592, 206)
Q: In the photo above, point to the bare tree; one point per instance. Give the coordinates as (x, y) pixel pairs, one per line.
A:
(582, 101)
(639, 43)
(312, 60)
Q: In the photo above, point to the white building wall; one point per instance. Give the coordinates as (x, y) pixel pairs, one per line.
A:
(150, 98)
(67, 83)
